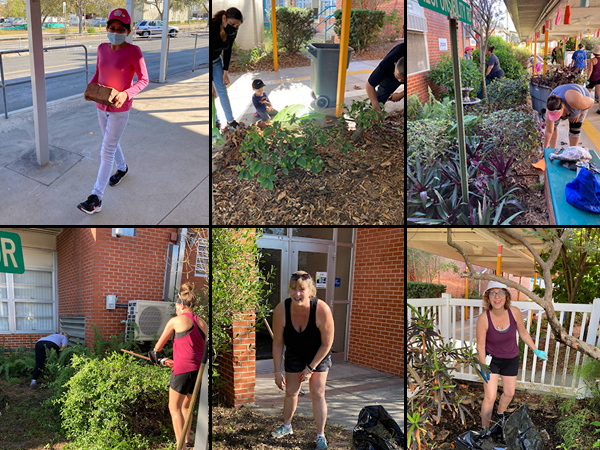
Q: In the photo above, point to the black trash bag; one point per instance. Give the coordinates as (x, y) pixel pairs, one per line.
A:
(519, 433)
(376, 430)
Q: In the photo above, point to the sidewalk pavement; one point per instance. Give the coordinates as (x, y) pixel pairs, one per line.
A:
(165, 146)
(292, 86)
(349, 388)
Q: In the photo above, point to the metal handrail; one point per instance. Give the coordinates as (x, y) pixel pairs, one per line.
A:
(5, 85)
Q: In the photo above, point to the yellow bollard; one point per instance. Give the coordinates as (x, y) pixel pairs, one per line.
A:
(546, 52)
(274, 31)
(344, 40)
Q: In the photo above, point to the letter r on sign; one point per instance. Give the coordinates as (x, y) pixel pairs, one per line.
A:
(6, 252)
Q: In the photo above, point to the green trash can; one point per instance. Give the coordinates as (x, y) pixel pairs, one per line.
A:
(324, 66)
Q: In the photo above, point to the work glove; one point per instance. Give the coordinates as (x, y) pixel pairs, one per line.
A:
(485, 374)
(540, 354)
(153, 357)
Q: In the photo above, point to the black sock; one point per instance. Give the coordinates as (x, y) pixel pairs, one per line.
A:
(500, 415)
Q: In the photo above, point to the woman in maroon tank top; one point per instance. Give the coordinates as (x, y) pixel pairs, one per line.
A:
(188, 348)
(304, 325)
(497, 330)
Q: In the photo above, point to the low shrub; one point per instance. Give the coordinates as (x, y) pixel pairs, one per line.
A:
(433, 109)
(91, 30)
(522, 55)
(443, 76)
(15, 363)
(115, 403)
(428, 139)
(558, 76)
(365, 26)
(419, 289)
(294, 27)
(505, 93)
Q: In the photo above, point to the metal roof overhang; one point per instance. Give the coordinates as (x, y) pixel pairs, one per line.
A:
(529, 16)
(481, 246)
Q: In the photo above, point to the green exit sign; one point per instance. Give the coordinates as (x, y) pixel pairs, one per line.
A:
(455, 8)
(11, 253)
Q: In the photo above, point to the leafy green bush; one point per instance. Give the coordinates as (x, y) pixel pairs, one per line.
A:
(428, 139)
(365, 26)
(294, 27)
(115, 403)
(511, 131)
(443, 76)
(396, 24)
(522, 55)
(419, 289)
(432, 109)
(15, 363)
(505, 93)
(91, 30)
(508, 61)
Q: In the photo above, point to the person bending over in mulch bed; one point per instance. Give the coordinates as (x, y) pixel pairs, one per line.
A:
(387, 77)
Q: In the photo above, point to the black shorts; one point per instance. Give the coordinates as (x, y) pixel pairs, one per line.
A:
(502, 366)
(184, 382)
(294, 364)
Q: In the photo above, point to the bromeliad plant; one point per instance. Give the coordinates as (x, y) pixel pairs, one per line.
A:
(431, 361)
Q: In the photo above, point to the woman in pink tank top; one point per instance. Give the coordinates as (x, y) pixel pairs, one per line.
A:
(188, 348)
(594, 72)
(497, 330)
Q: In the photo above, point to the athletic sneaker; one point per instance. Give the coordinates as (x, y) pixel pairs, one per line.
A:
(117, 177)
(282, 431)
(233, 124)
(33, 384)
(92, 205)
(321, 443)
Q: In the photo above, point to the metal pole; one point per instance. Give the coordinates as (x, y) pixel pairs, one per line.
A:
(274, 32)
(499, 262)
(459, 109)
(343, 59)
(3, 88)
(162, 75)
(535, 54)
(194, 60)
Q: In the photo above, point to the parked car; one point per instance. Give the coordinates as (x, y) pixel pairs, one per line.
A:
(18, 21)
(147, 27)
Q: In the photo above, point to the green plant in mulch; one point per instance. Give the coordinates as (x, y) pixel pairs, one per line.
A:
(505, 93)
(443, 75)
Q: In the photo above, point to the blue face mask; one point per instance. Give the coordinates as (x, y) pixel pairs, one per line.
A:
(116, 38)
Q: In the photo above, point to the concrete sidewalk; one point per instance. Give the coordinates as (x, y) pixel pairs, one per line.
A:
(166, 146)
(292, 86)
(349, 388)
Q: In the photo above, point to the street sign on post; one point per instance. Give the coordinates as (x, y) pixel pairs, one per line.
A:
(455, 10)
(11, 253)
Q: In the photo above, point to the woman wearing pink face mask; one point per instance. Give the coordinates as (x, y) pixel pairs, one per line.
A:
(117, 62)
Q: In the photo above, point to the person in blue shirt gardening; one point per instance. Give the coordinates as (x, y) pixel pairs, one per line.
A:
(579, 58)
(497, 346)
(54, 341)
(262, 104)
(304, 325)
(569, 101)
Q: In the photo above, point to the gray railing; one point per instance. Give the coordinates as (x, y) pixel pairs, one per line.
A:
(47, 77)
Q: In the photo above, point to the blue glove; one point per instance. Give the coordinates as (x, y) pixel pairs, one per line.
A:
(485, 374)
(540, 354)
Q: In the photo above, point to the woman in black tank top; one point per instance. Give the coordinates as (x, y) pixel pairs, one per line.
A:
(304, 325)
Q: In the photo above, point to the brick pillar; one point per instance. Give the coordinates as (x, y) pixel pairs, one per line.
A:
(238, 366)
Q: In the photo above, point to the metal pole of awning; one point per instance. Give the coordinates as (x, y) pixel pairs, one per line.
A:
(162, 76)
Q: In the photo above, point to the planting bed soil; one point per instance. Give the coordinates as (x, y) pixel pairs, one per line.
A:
(285, 60)
(544, 415)
(243, 428)
(365, 187)
(532, 195)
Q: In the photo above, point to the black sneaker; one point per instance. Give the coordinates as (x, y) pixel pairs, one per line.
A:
(233, 124)
(117, 177)
(92, 205)
(218, 124)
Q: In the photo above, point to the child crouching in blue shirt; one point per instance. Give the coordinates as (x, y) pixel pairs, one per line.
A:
(264, 109)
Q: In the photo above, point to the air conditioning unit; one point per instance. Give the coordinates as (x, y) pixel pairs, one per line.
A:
(150, 318)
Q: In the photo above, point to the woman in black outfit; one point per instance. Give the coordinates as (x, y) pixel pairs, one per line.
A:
(223, 30)
(304, 324)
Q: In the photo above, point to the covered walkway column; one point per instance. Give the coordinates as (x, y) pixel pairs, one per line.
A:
(38, 81)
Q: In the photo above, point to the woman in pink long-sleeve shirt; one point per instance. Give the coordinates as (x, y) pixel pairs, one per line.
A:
(117, 62)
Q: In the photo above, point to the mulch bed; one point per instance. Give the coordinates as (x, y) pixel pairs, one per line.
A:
(243, 428)
(357, 189)
(532, 195)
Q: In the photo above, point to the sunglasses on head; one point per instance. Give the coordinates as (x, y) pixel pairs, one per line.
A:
(297, 276)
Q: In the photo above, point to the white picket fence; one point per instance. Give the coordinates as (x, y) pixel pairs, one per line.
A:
(457, 318)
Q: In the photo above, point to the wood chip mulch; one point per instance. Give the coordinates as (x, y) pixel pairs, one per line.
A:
(363, 188)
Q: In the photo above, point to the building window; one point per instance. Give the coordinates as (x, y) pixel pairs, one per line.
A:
(29, 299)
(418, 58)
(123, 232)
(302, 4)
(202, 258)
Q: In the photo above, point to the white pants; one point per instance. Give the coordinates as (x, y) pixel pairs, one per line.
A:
(112, 125)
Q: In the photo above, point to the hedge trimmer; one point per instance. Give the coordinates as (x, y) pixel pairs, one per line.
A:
(163, 361)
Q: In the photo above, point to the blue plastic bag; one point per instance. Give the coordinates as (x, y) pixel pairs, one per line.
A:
(584, 191)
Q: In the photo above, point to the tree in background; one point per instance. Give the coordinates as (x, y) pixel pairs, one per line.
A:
(13, 8)
(423, 266)
(174, 5)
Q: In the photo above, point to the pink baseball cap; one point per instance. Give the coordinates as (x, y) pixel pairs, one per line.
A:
(121, 15)
(554, 115)
(468, 48)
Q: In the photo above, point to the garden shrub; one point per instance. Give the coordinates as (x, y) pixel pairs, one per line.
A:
(432, 109)
(505, 93)
(558, 76)
(419, 289)
(443, 76)
(521, 55)
(428, 139)
(294, 27)
(508, 60)
(15, 363)
(365, 26)
(115, 403)
(511, 131)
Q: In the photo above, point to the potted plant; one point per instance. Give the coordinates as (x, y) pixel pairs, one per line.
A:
(541, 85)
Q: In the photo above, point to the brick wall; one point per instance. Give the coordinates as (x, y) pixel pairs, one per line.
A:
(376, 335)
(437, 27)
(92, 264)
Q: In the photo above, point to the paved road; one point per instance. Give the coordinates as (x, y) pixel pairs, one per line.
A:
(16, 67)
